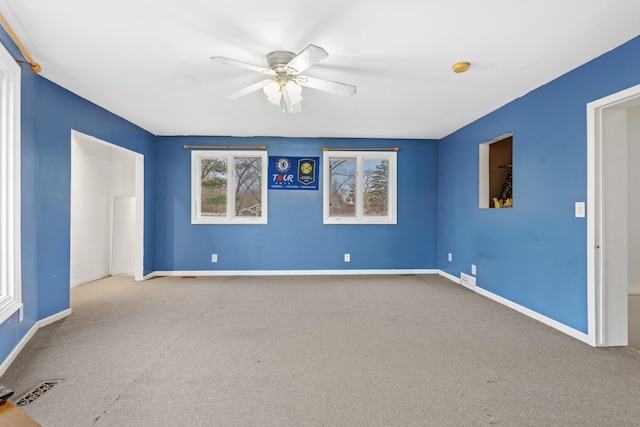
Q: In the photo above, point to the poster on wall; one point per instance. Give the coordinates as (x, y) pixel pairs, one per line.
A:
(293, 173)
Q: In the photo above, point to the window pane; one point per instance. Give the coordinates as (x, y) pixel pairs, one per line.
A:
(248, 186)
(342, 196)
(213, 187)
(376, 187)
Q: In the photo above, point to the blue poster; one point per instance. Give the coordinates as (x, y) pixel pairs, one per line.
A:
(293, 173)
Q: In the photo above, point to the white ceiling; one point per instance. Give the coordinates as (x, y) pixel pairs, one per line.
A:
(148, 60)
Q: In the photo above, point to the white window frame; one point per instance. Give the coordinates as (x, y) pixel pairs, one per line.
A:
(196, 217)
(10, 259)
(360, 157)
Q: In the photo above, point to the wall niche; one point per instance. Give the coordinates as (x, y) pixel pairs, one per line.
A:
(496, 173)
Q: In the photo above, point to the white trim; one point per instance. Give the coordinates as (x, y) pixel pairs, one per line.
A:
(287, 272)
(451, 277)
(10, 194)
(230, 217)
(138, 261)
(138, 255)
(535, 315)
(483, 178)
(39, 324)
(595, 286)
(9, 308)
(359, 157)
(148, 276)
(528, 312)
(592, 299)
(483, 169)
(524, 310)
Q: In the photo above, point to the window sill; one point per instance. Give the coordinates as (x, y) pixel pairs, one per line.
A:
(229, 221)
(347, 220)
(9, 309)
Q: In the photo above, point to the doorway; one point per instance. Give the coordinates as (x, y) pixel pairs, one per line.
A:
(613, 228)
(107, 210)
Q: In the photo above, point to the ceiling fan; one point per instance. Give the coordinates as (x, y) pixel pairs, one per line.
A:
(284, 85)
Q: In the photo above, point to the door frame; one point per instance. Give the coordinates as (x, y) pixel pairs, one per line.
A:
(138, 262)
(599, 320)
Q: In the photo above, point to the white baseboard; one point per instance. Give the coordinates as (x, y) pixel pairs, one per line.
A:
(287, 272)
(148, 276)
(449, 276)
(39, 324)
(526, 311)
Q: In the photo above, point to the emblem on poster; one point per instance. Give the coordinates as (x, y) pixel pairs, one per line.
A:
(307, 171)
(303, 176)
(283, 164)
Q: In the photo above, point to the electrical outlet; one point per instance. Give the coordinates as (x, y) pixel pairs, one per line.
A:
(449, 257)
(347, 257)
(580, 210)
(214, 257)
(473, 269)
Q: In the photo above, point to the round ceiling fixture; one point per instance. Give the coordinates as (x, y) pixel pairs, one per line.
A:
(461, 67)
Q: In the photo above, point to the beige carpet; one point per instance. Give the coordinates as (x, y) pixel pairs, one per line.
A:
(315, 351)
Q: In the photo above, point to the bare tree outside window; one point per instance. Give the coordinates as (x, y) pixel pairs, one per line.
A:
(229, 187)
(248, 186)
(213, 187)
(360, 187)
(343, 180)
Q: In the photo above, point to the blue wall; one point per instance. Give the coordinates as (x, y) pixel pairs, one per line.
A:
(534, 254)
(295, 238)
(49, 113)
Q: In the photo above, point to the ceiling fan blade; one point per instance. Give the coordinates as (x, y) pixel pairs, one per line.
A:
(311, 55)
(326, 85)
(229, 61)
(247, 90)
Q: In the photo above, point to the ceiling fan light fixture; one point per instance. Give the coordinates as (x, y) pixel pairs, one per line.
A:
(273, 92)
(284, 85)
(295, 92)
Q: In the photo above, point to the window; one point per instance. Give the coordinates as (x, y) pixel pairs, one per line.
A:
(359, 187)
(229, 187)
(10, 272)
